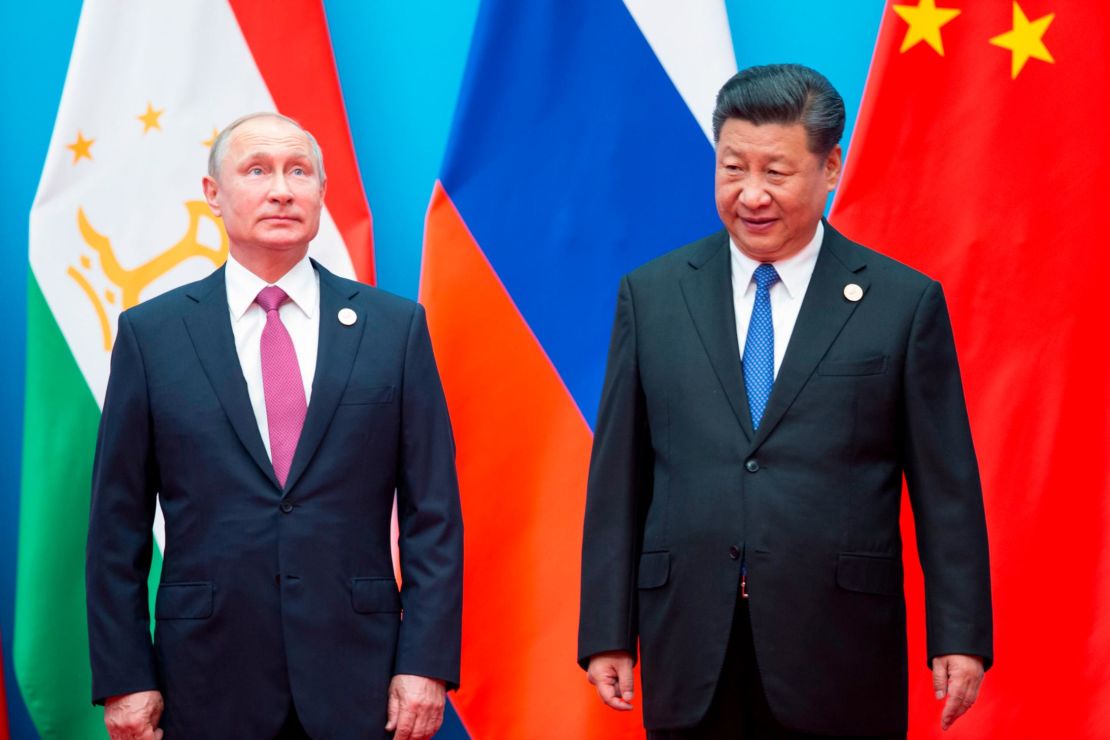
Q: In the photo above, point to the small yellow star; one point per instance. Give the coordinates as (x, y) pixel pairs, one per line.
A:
(150, 118)
(1025, 40)
(81, 147)
(925, 20)
(212, 139)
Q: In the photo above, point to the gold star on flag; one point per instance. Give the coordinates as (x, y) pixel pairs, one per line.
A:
(1025, 40)
(925, 20)
(81, 147)
(150, 118)
(212, 139)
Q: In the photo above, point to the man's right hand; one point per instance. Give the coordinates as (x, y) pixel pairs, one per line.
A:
(611, 674)
(134, 716)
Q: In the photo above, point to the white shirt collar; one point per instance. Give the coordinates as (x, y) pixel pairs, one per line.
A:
(243, 287)
(794, 271)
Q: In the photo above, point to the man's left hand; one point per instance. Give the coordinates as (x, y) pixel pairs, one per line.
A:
(958, 677)
(415, 707)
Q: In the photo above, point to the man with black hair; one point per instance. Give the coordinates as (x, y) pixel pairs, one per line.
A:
(767, 389)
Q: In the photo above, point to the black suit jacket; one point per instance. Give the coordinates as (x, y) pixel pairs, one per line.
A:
(683, 494)
(269, 594)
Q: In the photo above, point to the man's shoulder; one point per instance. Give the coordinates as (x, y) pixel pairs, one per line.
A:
(678, 262)
(879, 265)
(175, 302)
(368, 296)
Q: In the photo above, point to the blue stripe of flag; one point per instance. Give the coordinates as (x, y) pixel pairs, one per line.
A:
(573, 160)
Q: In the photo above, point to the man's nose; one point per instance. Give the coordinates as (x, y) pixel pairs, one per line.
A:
(753, 195)
(279, 189)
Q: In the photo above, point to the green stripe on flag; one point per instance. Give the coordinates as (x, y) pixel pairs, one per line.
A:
(51, 647)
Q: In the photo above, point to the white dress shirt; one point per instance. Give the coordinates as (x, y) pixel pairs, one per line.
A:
(786, 295)
(300, 314)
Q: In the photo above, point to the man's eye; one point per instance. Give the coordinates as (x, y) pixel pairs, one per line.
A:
(254, 171)
(298, 171)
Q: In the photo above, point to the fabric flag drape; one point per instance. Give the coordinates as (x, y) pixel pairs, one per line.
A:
(980, 158)
(573, 158)
(118, 218)
(3, 702)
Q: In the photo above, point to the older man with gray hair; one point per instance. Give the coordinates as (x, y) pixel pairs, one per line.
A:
(767, 389)
(273, 409)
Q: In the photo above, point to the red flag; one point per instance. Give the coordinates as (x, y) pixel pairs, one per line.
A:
(3, 702)
(980, 157)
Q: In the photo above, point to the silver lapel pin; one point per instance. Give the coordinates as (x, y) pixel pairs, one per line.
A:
(347, 316)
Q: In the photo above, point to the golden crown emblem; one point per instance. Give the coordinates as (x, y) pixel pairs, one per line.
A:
(128, 284)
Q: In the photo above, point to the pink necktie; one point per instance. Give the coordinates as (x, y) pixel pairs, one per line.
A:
(281, 383)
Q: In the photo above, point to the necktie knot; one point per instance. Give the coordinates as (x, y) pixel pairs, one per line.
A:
(271, 297)
(765, 276)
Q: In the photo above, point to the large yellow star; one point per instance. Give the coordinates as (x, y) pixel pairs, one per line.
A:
(925, 20)
(150, 118)
(81, 147)
(1024, 40)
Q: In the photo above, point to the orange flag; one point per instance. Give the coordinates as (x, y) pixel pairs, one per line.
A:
(981, 158)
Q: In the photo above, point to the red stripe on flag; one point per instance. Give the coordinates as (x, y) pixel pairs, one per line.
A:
(995, 184)
(523, 453)
(3, 702)
(292, 49)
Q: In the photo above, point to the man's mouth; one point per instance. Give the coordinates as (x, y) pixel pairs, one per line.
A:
(758, 224)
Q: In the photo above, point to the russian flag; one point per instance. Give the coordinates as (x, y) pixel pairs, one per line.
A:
(580, 149)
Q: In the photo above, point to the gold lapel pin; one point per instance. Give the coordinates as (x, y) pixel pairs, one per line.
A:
(853, 292)
(347, 316)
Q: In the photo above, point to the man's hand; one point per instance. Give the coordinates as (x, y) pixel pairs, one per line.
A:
(611, 674)
(134, 716)
(415, 707)
(957, 677)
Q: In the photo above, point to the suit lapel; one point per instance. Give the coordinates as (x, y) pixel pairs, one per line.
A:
(823, 314)
(708, 293)
(209, 327)
(337, 346)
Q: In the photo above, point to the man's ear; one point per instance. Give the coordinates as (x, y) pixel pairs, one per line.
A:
(211, 191)
(833, 164)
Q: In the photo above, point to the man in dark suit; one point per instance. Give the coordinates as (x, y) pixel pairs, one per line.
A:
(767, 388)
(274, 409)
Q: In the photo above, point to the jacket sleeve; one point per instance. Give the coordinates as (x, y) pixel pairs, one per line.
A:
(429, 520)
(120, 539)
(619, 484)
(944, 489)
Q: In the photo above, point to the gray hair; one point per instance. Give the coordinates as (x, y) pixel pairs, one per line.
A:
(219, 146)
(785, 94)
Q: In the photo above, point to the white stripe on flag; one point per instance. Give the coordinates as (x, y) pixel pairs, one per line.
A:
(694, 45)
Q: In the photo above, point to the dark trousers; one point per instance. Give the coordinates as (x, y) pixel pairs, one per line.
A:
(739, 707)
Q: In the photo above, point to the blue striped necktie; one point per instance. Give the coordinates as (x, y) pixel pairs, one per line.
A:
(759, 348)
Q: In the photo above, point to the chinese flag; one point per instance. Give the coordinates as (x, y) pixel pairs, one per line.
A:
(982, 157)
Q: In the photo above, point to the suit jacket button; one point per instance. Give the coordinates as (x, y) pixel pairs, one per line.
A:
(734, 552)
(286, 507)
(751, 466)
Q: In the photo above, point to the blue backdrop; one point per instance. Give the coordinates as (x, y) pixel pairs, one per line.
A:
(400, 65)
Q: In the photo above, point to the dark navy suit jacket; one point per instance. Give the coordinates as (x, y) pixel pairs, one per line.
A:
(683, 493)
(269, 595)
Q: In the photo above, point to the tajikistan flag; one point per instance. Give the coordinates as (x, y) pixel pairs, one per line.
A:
(119, 218)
